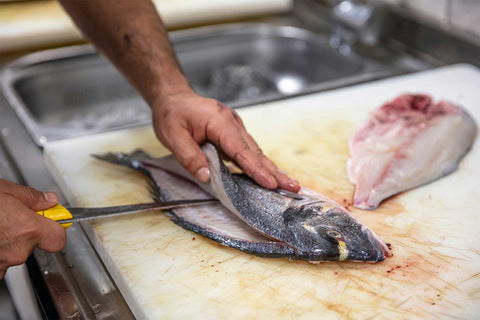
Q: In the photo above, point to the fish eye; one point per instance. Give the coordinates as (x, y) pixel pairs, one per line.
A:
(334, 234)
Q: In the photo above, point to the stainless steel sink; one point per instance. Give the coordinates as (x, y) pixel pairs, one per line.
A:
(73, 91)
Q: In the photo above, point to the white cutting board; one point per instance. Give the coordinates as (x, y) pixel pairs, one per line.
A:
(165, 271)
(35, 23)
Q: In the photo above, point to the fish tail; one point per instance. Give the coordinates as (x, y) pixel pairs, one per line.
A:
(132, 160)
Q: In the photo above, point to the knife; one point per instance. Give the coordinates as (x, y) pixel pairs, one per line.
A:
(66, 216)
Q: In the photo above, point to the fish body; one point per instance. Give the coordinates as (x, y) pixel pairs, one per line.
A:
(254, 219)
(406, 143)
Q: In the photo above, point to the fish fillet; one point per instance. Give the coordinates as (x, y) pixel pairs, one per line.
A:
(406, 143)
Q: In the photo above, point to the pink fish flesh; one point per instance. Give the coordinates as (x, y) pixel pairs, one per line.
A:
(406, 143)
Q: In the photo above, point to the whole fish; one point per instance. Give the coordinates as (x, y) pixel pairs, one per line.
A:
(406, 143)
(256, 220)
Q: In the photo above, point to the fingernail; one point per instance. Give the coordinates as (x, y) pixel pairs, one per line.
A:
(203, 174)
(50, 197)
(292, 185)
(290, 180)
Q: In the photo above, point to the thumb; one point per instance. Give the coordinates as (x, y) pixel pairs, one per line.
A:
(190, 155)
(31, 197)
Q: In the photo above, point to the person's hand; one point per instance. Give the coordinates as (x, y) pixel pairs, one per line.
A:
(186, 120)
(21, 228)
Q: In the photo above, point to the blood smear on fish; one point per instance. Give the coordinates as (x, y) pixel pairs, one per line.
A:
(406, 143)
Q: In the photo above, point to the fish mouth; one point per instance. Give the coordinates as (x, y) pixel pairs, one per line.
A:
(371, 249)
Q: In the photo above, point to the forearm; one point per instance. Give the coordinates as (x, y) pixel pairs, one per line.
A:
(132, 35)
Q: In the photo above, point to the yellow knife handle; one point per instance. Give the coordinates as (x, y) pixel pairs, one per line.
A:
(56, 213)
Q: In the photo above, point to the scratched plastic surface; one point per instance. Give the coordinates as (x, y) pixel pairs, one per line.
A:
(167, 272)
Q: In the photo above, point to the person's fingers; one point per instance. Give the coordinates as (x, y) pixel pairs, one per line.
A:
(223, 156)
(189, 154)
(17, 255)
(31, 197)
(236, 144)
(52, 235)
(25, 229)
(283, 180)
(237, 148)
(237, 119)
(21, 229)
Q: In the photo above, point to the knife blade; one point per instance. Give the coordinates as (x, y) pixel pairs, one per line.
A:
(68, 215)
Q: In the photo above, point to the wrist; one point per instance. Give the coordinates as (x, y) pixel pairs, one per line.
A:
(165, 80)
(164, 96)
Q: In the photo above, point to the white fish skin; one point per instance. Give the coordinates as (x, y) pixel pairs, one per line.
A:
(406, 143)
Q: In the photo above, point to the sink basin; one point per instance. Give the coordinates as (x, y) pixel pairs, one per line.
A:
(73, 91)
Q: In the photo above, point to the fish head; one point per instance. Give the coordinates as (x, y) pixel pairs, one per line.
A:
(335, 235)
